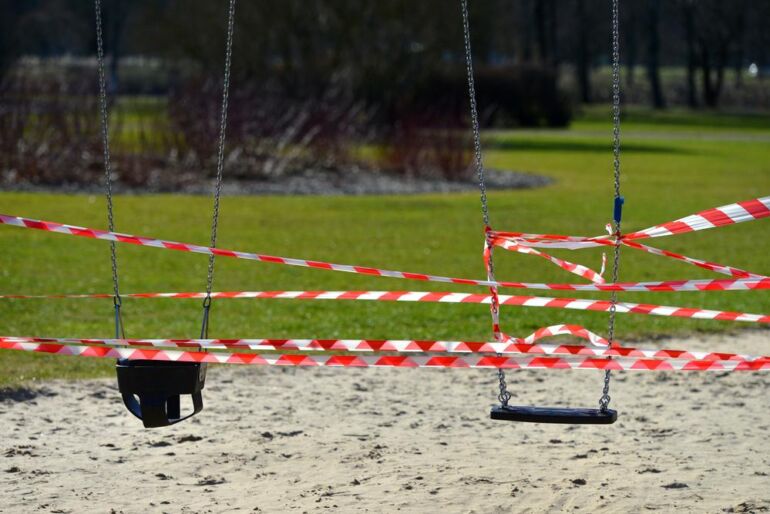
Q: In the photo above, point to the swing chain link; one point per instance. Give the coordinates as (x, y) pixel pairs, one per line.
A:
(104, 119)
(616, 101)
(604, 401)
(504, 395)
(478, 160)
(220, 166)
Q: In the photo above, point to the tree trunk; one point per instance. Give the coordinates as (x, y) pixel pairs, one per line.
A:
(740, 31)
(692, 59)
(543, 51)
(553, 31)
(738, 70)
(721, 66)
(653, 54)
(713, 71)
(709, 95)
(527, 33)
(631, 51)
(116, 23)
(10, 12)
(582, 60)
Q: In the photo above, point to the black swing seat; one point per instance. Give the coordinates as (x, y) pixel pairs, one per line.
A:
(151, 389)
(554, 415)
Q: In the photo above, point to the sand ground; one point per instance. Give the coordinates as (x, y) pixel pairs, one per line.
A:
(384, 440)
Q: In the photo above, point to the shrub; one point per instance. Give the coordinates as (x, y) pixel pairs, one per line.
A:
(427, 133)
(269, 133)
(521, 95)
(49, 130)
(424, 145)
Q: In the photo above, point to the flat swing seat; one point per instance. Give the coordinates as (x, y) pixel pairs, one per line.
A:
(562, 415)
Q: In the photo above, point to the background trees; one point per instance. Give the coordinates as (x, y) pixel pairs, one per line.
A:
(327, 84)
(380, 48)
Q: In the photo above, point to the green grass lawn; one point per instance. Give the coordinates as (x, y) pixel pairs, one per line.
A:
(675, 120)
(663, 178)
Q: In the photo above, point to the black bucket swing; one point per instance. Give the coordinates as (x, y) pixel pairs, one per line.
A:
(152, 390)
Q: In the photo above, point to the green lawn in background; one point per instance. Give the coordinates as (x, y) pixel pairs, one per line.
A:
(694, 123)
(664, 177)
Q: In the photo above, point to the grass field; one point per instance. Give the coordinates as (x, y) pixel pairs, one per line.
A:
(668, 172)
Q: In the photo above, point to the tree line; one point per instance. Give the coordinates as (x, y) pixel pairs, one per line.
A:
(397, 42)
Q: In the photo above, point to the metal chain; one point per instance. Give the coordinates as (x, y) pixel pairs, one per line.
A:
(504, 395)
(119, 331)
(616, 95)
(478, 160)
(220, 166)
(604, 401)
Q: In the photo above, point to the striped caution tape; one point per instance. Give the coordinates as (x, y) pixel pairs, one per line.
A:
(521, 246)
(526, 346)
(571, 267)
(731, 284)
(397, 361)
(447, 297)
(740, 212)
(728, 214)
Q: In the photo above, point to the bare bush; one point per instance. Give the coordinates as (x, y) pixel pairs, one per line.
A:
(50, 135)
(49, 131)
(269, 133)
(435, 146)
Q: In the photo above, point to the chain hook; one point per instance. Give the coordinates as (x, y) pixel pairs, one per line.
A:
(206, 313)
(119, 330)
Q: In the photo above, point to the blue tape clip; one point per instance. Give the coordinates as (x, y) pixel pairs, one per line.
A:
(618, 213)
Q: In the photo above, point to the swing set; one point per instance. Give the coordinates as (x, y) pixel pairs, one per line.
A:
(153, 374)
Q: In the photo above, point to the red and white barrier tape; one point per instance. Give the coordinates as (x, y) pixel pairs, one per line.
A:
(520, 346)
(728, 214)
(739, 212)
(398, 361)
(522, 246)
(719, 216)
(710, 266)
(574, 268)
(446, 297)
(351, 345)
(732, 284)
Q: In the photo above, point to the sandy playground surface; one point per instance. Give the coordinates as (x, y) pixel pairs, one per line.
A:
(384, 440)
